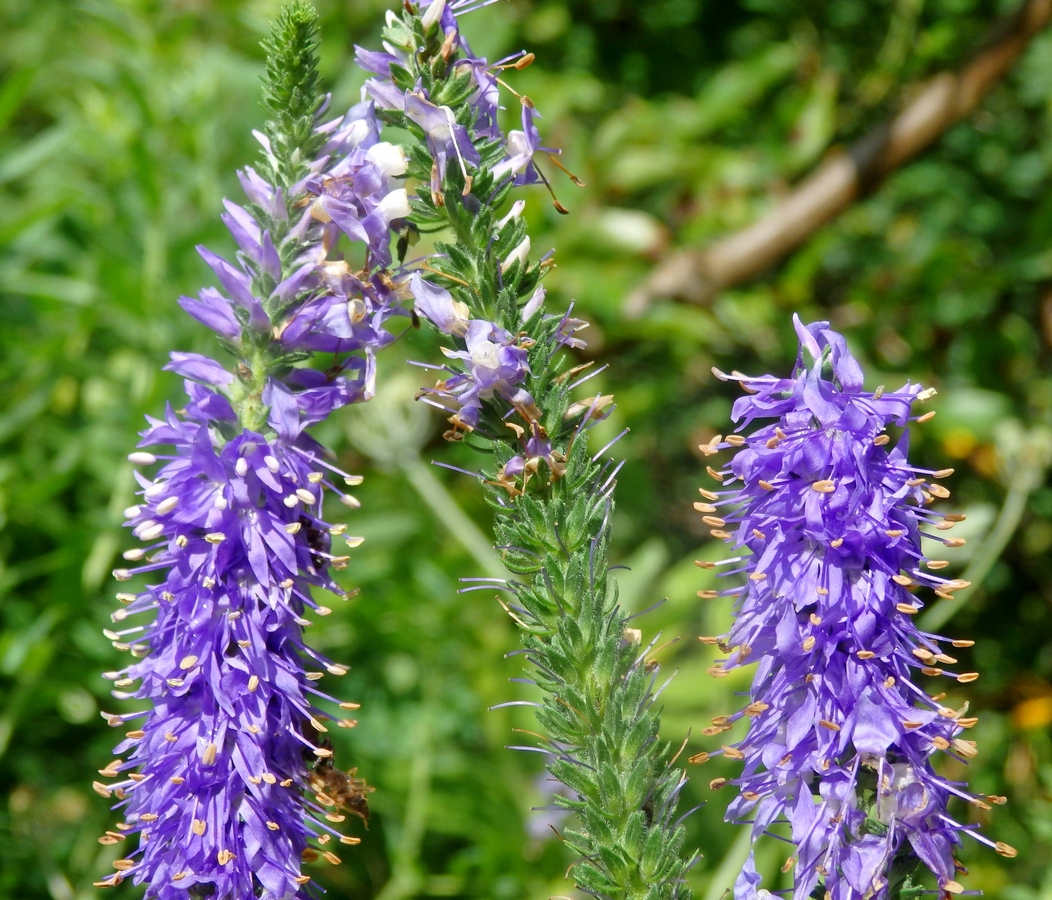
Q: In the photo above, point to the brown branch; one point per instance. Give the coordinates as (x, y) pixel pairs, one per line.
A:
(697, 275)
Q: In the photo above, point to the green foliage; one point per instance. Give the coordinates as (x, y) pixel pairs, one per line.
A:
(121, 127)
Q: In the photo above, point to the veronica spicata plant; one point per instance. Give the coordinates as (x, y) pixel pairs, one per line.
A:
(229, 780)
(826, 515)
(507, 385)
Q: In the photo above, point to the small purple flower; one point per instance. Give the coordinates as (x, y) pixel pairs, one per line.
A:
(826, 517)
(495, 364)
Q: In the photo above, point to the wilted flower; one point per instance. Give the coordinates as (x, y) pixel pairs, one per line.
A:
(829, 515)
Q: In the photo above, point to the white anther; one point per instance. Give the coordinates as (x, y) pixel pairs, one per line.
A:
(166, 505)
(241, 466)
(271, 463)
(141, 458)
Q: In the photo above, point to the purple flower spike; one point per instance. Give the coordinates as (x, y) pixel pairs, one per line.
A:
(826, 516)
(219, 798)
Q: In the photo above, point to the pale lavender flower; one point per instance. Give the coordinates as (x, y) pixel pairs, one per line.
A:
(826, 517)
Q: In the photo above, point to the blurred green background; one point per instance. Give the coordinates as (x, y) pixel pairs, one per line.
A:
(121, 125)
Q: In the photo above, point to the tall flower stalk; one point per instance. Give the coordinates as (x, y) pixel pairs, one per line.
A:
(825, 515)
(508, 385)
(228, 780)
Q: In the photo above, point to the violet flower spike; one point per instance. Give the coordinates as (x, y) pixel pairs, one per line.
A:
(219, 774)
(826, 516)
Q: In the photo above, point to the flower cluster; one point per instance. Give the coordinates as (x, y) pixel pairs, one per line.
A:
(301, 295)
(828, 516)
(221, 769)
(217, 798)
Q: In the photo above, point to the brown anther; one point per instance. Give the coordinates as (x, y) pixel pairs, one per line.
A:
(951, 887)
(732, 752)
(968, 722)
(967, 749)
(759, 535)
(703, 564)
(822, 592)
(721, 535)
(253, 682)
(832, 726)
(915, 482)
(708, 595)
(735, 440)
(998, 800)
(714, 474)
(907, 609)
(704, 507)
(895, 533)
(750, 796)
(309, 854)
(273, 826)
(714, 521)
(198, 827)
(955, 517)
(771, 443)
(331, 857)
(944, 526)
(346, 723)
(136, 776)
(954, 543)
(824, 487)
(698, 758)
(809, 643)
(301, 879)
(348, 705)
(765, 485)
(942, 473)
(101, 789)
(963, 643)
(351, 841)
(286, 783)
(224, 856)
(788, 864)
(135, 735)
(177, 779)
(937, 490)
(980, 804)
(717, 783)
(923, 654)
(889, 682)
(927, 417)
(707, 639)
(912, 724)
(122, 865)
(755, 708)
(1006, 850)
(815, 620)
(149, 817)
(334, 817)
(269, 778)
(718, 672)
(108, 839)
(943, 658)
(903, 580)
(940, 742)
(835, 544)
(931, 670)
(209, 756)
(881, 439)
(757, 576)
(708, 495)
